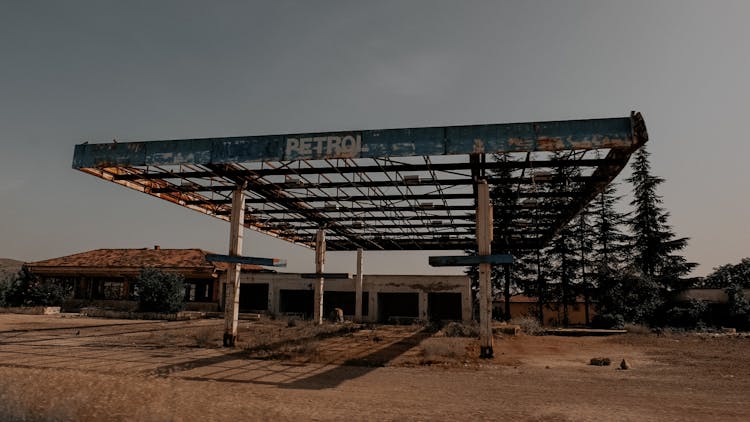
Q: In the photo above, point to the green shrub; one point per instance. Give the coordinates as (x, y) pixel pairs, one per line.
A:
(687, 315)
(608, 321)
(159, 291)
(738, 307)
(28, 290)
(4, 286)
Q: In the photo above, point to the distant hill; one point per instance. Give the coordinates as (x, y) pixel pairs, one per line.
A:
(9, 267)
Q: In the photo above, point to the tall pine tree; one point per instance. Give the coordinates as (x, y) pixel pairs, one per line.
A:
(654, 244)
(610, 242)
(586, 242)
(503, 199)
(635, 293)
(564, 249)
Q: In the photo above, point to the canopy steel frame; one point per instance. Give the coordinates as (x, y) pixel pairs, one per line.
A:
(392, 189)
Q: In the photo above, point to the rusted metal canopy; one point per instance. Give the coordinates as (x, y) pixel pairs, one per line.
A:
(385, 189)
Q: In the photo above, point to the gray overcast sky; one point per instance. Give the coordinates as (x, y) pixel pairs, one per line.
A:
(78, 71)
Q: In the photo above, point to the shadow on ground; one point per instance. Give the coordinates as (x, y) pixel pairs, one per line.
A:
(242, 367)
(335, 357)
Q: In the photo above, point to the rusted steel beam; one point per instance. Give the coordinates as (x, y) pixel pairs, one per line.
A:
(401, 168)
(276, 195)
(460, 217)
(407, 209)
(383, 208)
(374, 228)
(604, 175)
(399, 197)
(380, 183)
(431, 245)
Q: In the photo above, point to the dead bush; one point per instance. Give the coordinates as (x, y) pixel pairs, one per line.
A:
(204, 335)
(528, 325)
(310, 350)
(457, 329)
(307, 351)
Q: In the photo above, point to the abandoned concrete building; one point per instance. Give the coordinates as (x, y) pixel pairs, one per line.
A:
(106, 277)
(384, 297)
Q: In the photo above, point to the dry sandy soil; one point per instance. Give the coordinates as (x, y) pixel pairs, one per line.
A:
(77, 368)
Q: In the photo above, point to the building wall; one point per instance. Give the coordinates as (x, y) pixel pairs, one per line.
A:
(372, 284)
(708, 295)
(553, 312)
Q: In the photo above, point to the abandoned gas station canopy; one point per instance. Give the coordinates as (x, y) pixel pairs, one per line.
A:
(390, 189)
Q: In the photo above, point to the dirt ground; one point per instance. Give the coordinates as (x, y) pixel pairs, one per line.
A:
(64, 367)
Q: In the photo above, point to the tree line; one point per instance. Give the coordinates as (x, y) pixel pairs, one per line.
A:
(627, 265)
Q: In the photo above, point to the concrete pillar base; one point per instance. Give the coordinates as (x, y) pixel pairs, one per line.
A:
(485, 352)
(229, 340)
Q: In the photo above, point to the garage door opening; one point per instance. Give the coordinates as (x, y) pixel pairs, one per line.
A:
(444, 306)
(343, 300)
(296, 302)
(392, 306)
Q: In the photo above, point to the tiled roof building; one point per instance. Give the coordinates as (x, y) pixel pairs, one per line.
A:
(108, 274)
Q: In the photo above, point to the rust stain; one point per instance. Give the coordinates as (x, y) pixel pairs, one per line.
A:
(550, 144)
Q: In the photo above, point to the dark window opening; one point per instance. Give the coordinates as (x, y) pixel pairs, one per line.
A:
(198, 291)
(296, 302)
(343, 300)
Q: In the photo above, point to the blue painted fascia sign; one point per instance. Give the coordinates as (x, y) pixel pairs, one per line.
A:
(447, 140)
(249, 260)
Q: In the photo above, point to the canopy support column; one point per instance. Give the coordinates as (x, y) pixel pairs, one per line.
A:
(232, 303)
(358, 287)
(320, 257)
(484, 240)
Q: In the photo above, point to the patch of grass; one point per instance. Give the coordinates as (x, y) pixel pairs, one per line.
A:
(295, 342)
(69, 395)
